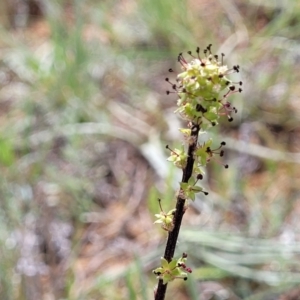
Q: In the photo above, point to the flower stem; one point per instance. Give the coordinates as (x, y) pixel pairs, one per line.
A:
(180, 209)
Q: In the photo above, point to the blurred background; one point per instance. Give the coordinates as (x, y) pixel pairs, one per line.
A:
(84, 123)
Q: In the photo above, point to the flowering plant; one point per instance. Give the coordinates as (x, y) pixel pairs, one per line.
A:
(203, 88)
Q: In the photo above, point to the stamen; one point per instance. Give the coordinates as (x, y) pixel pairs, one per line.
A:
(199, 177)
(159, 203)
(208, 50)
(200, 108)
(198, 54)
(172, 151)
(198, 51)
(181, 60)
(190, 53)
(222, 62)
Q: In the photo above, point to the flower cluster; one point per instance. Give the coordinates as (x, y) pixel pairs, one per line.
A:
(165, 219)
(203, 88)
(173, 269)
(199, 87)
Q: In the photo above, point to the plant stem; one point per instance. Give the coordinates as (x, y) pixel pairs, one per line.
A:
(180, 209)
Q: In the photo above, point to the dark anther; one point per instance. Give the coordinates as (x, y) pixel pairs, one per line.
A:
(232, 87)
(236, 68)
(226, 166)
(199, 176)
(208, 49)
(200, 108)
(205, 193)
(222, 57)
(198, 51)
(182, 265)
(223, 143)
(171, 70)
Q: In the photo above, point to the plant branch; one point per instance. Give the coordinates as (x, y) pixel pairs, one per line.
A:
(198, 87)
(180, 209)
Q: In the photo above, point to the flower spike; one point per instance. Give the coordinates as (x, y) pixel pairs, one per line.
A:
(203, 88)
